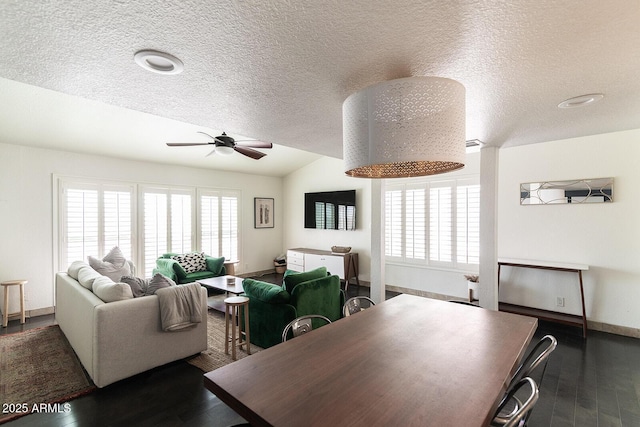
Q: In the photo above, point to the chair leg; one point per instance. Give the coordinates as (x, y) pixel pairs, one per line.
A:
(5, 309)
(22, 315)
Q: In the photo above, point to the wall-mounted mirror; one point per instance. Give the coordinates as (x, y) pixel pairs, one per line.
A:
(599, 190)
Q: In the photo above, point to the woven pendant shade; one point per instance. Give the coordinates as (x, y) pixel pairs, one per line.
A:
(407, 127)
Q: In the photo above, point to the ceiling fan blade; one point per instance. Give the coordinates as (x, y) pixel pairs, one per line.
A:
(254, 144)
(204, 133)
(186, 144)
(212, 152)
(249, 152)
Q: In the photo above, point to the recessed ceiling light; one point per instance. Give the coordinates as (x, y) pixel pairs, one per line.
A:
(581, 101)
(158, 62)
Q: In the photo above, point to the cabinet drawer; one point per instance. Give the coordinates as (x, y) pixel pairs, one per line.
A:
(295, 257)
(333, 263)
(295, 266)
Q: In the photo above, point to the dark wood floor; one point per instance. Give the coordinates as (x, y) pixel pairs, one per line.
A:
(592, 382)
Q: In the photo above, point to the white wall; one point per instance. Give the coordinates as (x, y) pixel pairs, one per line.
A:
(26, 210)
(604, 236)
(327, 174)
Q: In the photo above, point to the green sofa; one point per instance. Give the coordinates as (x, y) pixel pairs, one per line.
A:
(170, 268)
(271, 306)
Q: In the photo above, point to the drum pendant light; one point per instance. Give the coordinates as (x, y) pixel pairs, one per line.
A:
(407, 127)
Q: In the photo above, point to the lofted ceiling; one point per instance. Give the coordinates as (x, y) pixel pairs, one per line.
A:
(279, 71)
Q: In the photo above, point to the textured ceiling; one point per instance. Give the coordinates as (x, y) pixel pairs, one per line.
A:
(279, 71)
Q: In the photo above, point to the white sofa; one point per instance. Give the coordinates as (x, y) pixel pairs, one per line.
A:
(119, 339)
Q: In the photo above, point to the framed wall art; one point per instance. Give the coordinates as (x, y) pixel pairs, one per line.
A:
(263, 212)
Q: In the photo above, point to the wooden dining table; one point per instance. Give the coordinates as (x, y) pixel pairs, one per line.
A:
(408, 361)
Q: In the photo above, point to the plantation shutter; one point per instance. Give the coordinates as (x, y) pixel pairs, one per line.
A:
(219, 223)
(440, 223)
(415, 224)
(156, 233)
(468, 224)
(393, 223)
(118, 230)
(80, 233)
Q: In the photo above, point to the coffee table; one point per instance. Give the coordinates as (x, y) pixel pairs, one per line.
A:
(222, 283)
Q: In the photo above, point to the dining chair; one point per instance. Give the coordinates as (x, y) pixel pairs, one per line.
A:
(538, 356)
(354, 305)
(301, 325)
(526, 401)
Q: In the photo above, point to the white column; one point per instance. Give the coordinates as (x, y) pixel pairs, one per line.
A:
(377, 241)
(488, 286)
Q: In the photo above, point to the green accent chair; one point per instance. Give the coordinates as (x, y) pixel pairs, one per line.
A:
(272, 307)
(172, 269)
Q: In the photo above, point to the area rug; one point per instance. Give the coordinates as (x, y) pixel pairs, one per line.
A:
(38, 369)
(214, 357)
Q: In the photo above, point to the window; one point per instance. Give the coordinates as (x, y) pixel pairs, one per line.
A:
(219, 234)
(94, 217)
(468, 223)
(394, 223)
(433, 223)
(167, 223)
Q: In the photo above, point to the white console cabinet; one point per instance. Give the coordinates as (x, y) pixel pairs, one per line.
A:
(344, 266)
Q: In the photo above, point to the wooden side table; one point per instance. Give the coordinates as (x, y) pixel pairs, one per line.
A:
(5, 310)
(232, 315)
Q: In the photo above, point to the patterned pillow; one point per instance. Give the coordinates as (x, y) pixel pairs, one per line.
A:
(191, 262)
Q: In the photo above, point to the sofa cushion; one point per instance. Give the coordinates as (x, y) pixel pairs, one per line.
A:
(265, 292)
(75, 267)
(291, 279)
(138, 285)
(215, 265)
(113, 265)
(158, 281)
(86, 277)
(194, 277)
(191, 262)
(109, 291)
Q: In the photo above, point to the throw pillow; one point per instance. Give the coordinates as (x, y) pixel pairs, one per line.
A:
(191, 262)
(158, 281)
(266, 292)
(214, 265)
(75, 267)
(292, 279)
(109, 291)
(86, 276)
(115, 257)
(138, 286)
(113, 265)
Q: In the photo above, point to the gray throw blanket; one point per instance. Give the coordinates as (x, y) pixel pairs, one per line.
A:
(180, 306)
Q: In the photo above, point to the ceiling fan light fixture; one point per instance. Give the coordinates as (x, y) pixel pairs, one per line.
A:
(224, 150)
(158, 62)
(407, 127)
(581, 101)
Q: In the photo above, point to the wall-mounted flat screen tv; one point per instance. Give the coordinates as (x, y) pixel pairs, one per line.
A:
(330, 210)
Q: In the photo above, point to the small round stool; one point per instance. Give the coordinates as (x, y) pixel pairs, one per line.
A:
(232, 315)
(5, 310)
